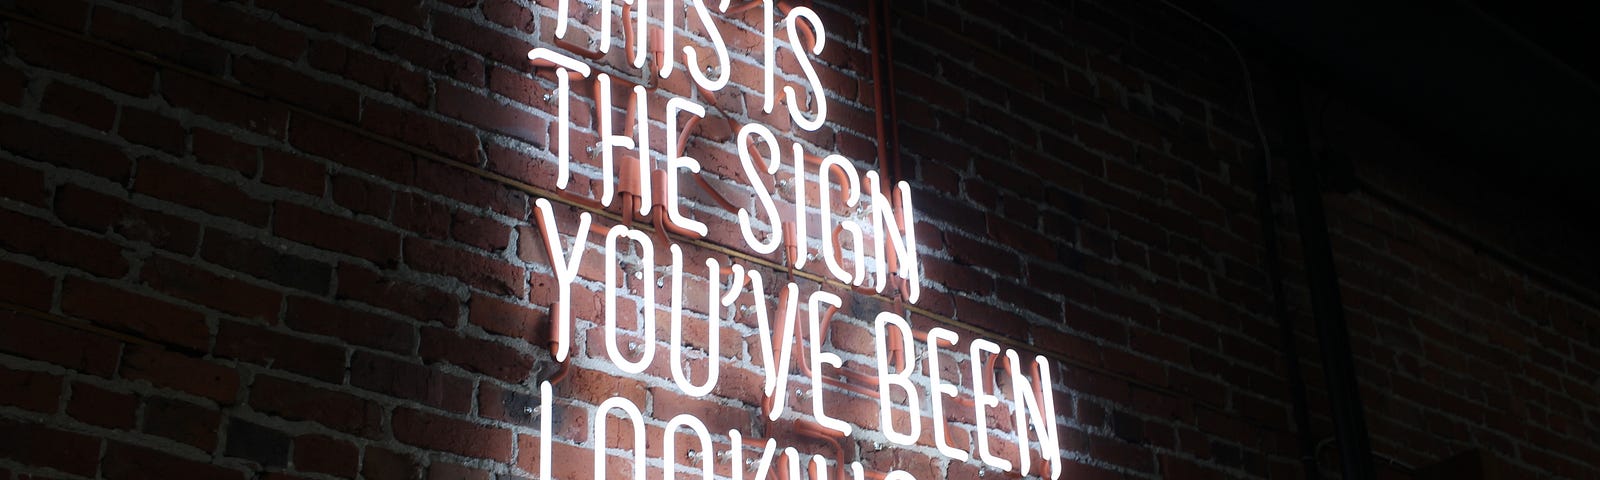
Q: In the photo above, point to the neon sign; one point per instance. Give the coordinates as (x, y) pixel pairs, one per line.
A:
(630, 172)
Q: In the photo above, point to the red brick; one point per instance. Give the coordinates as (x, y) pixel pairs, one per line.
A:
(418, 302)
(134, 33)
(320, 454)
(493, 45)
(430, 55)
(70, 14)
(502, 318)
(412, 126)
(312, 227)
(101, 407)
(482, 356)
(490, 274)
(37, 445)
(26, 287)
(223, 150)
(469, 188)
(152, 129)
(36, 391)
(417, 214)
(362, 196)
(29, 139)
(139, 463)
(343, 146)
(410, 381)
(323, 16)
(182, 421)
(266, 261)
(58, 344)
(369, 70)
(135, 314)
(297, 88)
(84, 107)
(294, 172)
(23, 184)
(32, 236)
(222, 292)
(225, 21)
(250, 343)
(338, 410)
(81, 59)
(177, 371)
(225, 104)
(480, 232)
(436, 432)
(384, 463)
(354, 326)
(189, 188)
(451, 471)
(158, 229)
(483, 112)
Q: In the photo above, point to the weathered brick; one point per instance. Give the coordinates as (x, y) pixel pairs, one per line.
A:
(136, 462)
(351, 325)
(219, 291)
(135, 314)
(483, 356)
(437, 432)
(39, 445)
(78, 105)
(185, 422)
(193, 189)
(490, 274)
(181, 372)
(415, 301)
(257, 443)
(101, 407)
(411, 381)
(294, 400)
(328, 231)
(279, 351)
(266, 260)
(36, 391)
(320, 454)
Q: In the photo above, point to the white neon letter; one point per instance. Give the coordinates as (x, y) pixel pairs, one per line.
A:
(1042, 411)
(641, 112)
(675, 162)
(713, 325)
(647, 321)
(669, 447)
(563, 107)
(801, 249)
(608, 160)
(566, 270)
(825, 204)
(820, 358)
(983, 398)
(777, 380)
(769, 49)
(668, 27)
(937, 388)
(692, 60)
(810, 125)
(546, 412)
(635, 417)
(746, 225)
(888, 379)
(903, 238)
(763, 465)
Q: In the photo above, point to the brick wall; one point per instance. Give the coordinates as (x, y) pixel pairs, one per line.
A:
(298, 239)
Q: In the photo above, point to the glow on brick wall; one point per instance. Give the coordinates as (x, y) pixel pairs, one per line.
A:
(651, 261)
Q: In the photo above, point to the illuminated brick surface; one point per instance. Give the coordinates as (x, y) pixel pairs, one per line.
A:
(299, 239)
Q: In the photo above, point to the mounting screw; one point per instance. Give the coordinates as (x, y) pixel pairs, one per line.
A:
(692, 455)
(549, 97)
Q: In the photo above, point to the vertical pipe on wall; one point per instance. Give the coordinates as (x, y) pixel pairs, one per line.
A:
(1280, 310)
(1333, 335)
